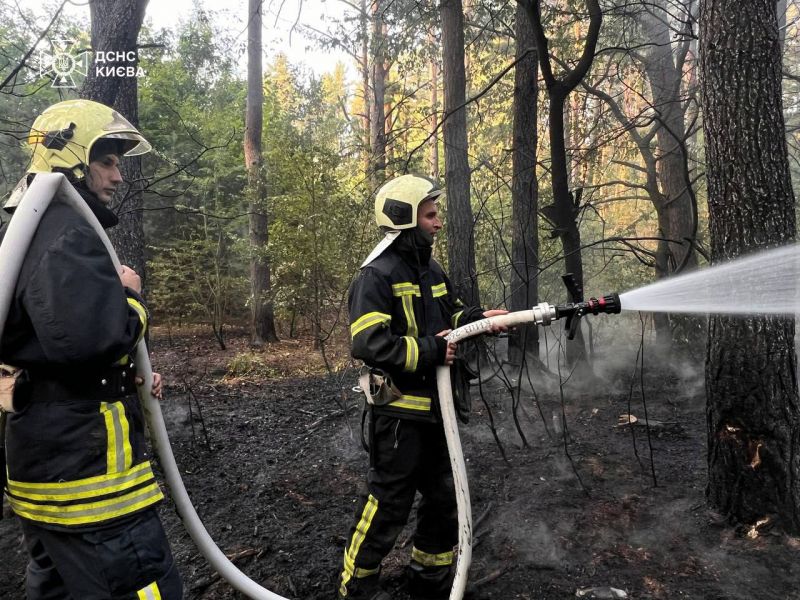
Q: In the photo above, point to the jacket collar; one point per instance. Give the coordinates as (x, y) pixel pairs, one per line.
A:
(106, 217)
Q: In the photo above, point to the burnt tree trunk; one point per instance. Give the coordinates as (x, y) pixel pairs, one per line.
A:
(564, 211)
(524, 340)
(262, 318)
(460, 224)
(753, 415)
(115, 29)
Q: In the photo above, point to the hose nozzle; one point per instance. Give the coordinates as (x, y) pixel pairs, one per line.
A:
(607, 304)
(573, 311)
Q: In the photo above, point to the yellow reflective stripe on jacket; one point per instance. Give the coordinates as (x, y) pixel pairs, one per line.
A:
(442, 559)
(90, 512)
(142, 312)
(456, 317)
(405, 288)
(151, 592)
(119, 454)
(368, 320)
(408, 309)
(412, 354)
(412, 403)
(406, 291)
(439, 290)
(351, 552)
(80, 489)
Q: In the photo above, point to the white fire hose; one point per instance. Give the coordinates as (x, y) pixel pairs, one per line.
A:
(541, 314)
(44, 188)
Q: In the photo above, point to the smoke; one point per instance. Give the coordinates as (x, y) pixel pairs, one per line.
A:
(534, 542)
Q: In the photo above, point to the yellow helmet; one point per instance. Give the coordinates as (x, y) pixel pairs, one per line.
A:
(397, 200)
(63, 135)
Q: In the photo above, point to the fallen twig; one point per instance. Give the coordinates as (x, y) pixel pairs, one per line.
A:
(496, 574)
(336, 413)
(243, 554)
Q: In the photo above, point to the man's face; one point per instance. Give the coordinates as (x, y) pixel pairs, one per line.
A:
(103, 177)
(428, 217)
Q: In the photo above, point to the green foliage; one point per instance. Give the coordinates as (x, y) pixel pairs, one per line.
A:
(192, 105)
(250, 365)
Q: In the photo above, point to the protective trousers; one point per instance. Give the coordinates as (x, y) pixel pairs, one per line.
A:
(405, 456)
(127, 561)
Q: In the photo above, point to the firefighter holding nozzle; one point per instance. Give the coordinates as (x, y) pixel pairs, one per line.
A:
(401, 306)
(79, 474)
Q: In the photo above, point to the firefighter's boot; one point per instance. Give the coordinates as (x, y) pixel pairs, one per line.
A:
(429, 582)
(364, 588)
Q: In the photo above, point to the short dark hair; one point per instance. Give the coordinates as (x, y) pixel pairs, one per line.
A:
(105, 146)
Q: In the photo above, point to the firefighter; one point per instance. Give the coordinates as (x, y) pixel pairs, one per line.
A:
(79, 474)
(401, 306)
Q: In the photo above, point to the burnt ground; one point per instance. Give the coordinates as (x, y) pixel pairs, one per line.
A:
(274, 464)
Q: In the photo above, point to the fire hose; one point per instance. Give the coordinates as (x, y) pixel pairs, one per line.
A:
(541, 314)
(44, 188)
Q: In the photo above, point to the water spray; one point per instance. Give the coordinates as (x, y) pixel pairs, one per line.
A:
(45, 188)
(543, 314)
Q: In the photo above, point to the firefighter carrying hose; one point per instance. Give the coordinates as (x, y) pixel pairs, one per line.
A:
(79, 475)
(401, 306)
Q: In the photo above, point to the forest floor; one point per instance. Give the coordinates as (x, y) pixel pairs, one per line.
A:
(272, 460)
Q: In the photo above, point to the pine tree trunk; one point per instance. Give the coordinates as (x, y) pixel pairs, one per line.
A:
(677, 213)
(262, 324)
(460, 225)
(365, 89)
(433, 155)
(524, 340)
(115, 29)
(377, 109)
(753, 415)
(564, 211)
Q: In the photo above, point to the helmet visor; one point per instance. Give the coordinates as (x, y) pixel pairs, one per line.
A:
(135, 144)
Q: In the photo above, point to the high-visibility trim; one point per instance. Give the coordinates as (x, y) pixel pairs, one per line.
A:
(142, 312)
(90, 512)
(412, 403)
(408, 309)
(151, 592)
(361, 573)
(80, 489)
(405, 288)
(439, 290)
(412, 354)
(368, 320)
(443, 559)
(119, 454)
(456, 317)
(351, 552)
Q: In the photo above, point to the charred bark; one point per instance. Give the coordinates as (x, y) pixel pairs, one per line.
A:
(524, 340)
(753, 416)
(115, 29)
(565, 209)
(460, 225)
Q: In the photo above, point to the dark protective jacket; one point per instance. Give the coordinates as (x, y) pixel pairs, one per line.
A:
(75, 447)
(398, 304)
